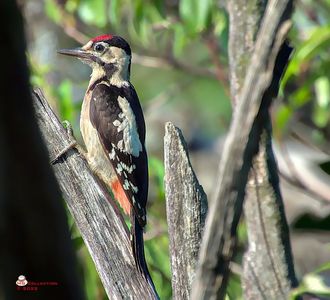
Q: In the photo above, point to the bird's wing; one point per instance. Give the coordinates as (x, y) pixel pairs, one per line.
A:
(117, 116)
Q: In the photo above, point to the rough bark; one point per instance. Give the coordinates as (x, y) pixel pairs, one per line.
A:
(186, 206)
(268, 264)
(244, 21)
(96, 216)
(34, 234)
(241, 146)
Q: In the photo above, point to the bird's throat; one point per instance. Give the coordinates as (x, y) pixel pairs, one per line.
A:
(110, 73)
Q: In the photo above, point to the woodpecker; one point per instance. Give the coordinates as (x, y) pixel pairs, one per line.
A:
(113, 129)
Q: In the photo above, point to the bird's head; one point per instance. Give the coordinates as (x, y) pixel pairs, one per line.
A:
(108, 55)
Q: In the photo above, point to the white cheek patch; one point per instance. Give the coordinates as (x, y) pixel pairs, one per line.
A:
(111, 56)
(131, 141)
(114, 54)
(121, 60)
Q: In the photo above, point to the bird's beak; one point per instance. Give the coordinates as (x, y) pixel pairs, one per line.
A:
(77, 52)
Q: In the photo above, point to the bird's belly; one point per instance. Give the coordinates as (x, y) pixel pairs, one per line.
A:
(96, 155)
(99, 163)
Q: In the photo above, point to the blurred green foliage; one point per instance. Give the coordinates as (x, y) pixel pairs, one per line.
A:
(313, 283)
(306, 81)
(177, 37)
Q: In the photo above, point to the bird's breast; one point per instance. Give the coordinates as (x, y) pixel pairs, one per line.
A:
(96, 155)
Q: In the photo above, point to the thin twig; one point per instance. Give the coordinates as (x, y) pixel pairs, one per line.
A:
(214, 50)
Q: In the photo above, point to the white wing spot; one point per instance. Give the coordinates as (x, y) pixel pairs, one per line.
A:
(126, 185)
(133, 200)
(120, 145)
(116, 122)
(119, 169)
(127, 168)
(134, 188)
(112, 154)
(132, 143)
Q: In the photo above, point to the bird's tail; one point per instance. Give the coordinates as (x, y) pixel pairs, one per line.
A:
(138, 250)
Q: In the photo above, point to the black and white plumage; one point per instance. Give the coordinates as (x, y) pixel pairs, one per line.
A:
(117, 116)
(113, 129)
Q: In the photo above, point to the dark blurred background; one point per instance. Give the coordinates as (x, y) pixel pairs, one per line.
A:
(180, 71)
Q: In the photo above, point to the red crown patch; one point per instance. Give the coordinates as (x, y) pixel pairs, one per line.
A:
(100, 38)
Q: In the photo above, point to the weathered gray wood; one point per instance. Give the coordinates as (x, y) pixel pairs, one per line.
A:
(241, 146)
(265, 265)
(244, 21)
(97, 218)
(268, 271)
(186, 207)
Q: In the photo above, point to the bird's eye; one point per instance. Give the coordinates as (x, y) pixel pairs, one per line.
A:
(99, 48)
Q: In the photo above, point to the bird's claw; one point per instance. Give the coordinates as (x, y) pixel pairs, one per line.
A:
(73, 143)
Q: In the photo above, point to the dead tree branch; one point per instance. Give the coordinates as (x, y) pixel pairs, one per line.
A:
(268, 266)
(244, 22)
(241, 146)
(94, 212)
(186, 206)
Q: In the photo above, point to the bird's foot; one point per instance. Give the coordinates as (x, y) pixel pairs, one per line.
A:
(73, 143)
